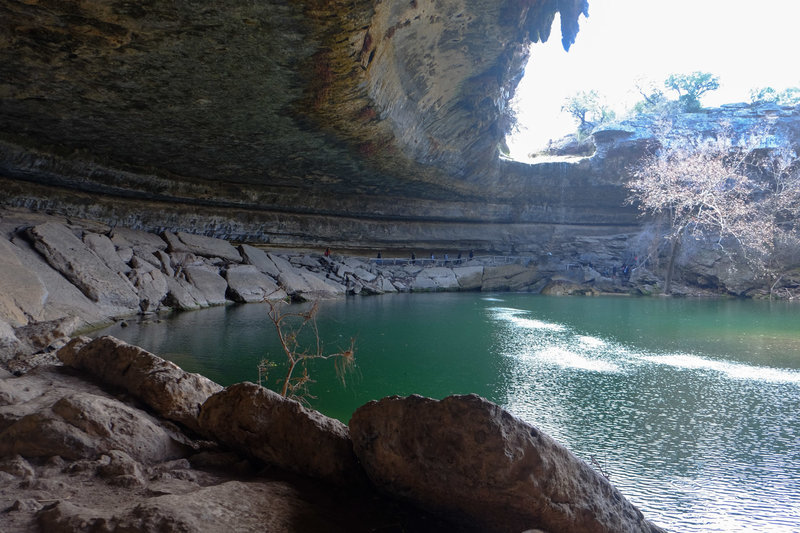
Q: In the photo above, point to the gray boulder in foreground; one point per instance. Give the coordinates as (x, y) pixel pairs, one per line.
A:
(466, 456)
(173, 393)
(260, 423)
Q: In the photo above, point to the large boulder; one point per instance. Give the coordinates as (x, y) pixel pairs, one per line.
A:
(152, 287)
(469, 277)
(183, 295)
(302, 284)
(436, 278)
(172, 393)
(105, 250)
(208, 283)
(260, 423)
(43, 415)
(206, 247)
(467, 457)
(62, 297)
(22, 293)
(70, 256)
(513, 277)
(258, 258)
(132, 238)
(246, 283)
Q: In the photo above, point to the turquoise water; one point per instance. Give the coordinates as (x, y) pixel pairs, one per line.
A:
(692, 407)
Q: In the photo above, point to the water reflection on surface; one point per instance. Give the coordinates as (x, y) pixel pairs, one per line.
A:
(698, 443)
(692, 407)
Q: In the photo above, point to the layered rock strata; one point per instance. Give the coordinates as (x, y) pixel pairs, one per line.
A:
(350, 124)
(62, 275)
(75, 458)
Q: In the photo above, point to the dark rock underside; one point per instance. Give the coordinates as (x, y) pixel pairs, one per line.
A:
(304, 122)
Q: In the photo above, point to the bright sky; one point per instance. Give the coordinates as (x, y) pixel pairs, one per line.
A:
(746, 43)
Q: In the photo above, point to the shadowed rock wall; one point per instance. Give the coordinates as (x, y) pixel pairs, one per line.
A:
(306, 122)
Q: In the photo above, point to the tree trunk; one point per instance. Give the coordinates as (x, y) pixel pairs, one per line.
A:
(675, 243)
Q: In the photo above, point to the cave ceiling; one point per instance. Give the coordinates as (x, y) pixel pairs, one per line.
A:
(379, 110)
(359, 97)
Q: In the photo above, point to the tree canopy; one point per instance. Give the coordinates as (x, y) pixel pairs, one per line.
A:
(745, 195)
(690, 87)
(589, 109)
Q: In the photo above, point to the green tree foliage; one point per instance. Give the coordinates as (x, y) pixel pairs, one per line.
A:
(653, 99)
(589, 109)
(764, 95)
(690, 87)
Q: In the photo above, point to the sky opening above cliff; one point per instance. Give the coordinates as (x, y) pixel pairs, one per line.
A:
(747, 44)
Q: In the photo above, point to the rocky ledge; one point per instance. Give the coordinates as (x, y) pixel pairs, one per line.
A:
(112, 438)
(59, 276)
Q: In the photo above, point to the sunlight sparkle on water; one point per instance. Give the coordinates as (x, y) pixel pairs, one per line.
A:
(729, 369)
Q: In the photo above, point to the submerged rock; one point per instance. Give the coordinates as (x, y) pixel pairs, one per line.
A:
(468, 457)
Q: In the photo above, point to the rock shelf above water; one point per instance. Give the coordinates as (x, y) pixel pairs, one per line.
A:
(61, 275)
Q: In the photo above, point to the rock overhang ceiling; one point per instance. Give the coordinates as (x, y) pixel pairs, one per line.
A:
(325, 108)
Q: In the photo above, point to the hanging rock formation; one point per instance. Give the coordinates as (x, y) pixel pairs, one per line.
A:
(345, 124)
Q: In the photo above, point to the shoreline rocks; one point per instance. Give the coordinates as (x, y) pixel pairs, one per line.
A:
(79, 274)
(467, 456)
(89, 445)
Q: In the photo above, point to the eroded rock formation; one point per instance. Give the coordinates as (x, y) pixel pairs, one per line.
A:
(351, 124)
(466, 455)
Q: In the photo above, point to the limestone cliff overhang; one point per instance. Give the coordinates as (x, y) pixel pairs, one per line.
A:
(359, 97)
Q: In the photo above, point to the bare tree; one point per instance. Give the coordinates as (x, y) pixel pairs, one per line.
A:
(300, 342)
(740, 191)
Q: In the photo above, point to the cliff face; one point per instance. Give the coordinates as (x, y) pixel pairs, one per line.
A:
(347, 123)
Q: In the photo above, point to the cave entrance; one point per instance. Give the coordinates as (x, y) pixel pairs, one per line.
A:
(537, 102)
(623, 44)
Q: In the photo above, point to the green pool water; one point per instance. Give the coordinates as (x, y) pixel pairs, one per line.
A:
(691, 406)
